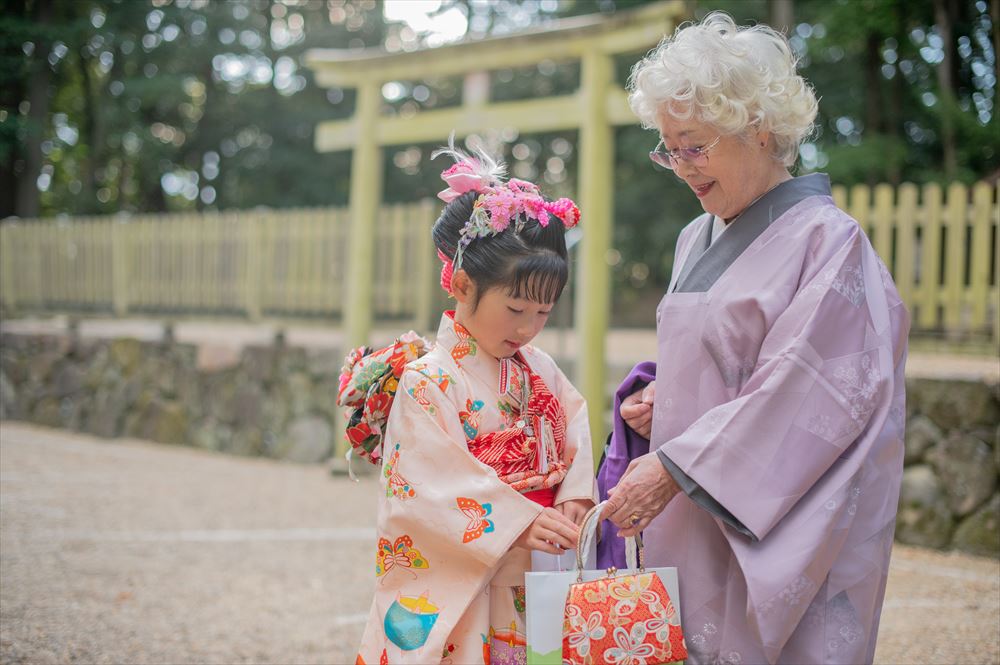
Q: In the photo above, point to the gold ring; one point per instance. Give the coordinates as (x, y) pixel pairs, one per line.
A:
(633, 520)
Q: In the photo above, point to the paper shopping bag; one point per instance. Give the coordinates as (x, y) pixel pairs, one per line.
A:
(591, 615)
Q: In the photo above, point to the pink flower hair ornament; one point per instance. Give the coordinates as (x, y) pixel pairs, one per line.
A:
(499, 203)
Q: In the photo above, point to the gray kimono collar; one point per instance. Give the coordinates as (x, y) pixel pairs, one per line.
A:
(706, 261)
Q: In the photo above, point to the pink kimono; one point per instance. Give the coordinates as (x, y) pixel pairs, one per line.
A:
(474, 449)
(780, 409)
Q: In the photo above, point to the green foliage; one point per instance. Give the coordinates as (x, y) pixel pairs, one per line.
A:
(173, 105)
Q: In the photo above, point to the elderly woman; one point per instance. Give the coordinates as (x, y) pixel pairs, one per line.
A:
(775, 421)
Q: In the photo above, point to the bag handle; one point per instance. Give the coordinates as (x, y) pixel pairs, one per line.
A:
(634, 555)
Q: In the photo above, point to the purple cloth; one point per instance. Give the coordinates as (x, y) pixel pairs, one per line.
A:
(625, 446)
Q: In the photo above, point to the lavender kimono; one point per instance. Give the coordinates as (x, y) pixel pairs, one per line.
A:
(779, 409)
(450, 584)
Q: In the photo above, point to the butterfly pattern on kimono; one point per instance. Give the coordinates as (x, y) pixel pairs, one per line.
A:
(470, 417)
(478, 514)
(466, 345)
(395, 484)
(440, 378)
(419, 394)
(399, 554)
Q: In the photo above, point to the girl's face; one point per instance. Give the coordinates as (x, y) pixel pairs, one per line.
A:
(500, 323)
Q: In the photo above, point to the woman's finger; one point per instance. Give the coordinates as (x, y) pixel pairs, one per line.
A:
(635, 410)
(620, 514)
(632, 530)
(613, 503)
(649, 393)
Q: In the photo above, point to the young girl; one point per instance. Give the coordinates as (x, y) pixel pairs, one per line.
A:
(486, 452)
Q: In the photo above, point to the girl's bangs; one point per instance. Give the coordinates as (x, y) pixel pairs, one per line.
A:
(540, 278)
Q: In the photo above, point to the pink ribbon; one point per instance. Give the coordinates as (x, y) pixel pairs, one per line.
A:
(460, 183)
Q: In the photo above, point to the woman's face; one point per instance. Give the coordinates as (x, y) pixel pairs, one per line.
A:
(738, 171)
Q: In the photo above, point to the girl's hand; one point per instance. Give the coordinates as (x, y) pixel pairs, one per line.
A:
(551, 532)
(637, 410)
(575, 509)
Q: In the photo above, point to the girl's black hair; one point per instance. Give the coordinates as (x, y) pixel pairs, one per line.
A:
(531, 264)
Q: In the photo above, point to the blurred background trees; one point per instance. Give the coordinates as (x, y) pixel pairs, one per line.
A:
(161, 105)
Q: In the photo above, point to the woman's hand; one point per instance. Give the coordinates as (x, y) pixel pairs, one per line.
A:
(642, 494)
(575, 509)
(637, 410)
(551, 532)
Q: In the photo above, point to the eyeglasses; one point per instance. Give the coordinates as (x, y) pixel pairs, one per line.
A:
(669, 159)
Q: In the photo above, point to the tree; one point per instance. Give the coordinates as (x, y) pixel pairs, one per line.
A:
(149, 106)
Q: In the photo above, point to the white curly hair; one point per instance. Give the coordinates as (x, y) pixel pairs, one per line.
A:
(730, 77)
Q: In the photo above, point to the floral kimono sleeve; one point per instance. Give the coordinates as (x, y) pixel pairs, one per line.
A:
(825, 370)
(445, 521)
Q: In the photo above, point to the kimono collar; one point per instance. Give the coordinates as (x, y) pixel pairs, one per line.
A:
(505, 375)
(707, 260)
(456, 339)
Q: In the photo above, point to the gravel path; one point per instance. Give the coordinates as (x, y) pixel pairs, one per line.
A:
(130, 552)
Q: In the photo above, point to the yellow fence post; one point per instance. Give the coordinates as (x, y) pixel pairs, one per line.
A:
(930, 276)
(593, 295)
(860, 207)
(954, 267)
(189, 258)
(252, 268)
(839, 193)
(400, 242)
(8, 289)
(333, 233)
(904, 271)
(120, 248)
(423, 220)
(979, 258)
(39, 241)
(882, 222)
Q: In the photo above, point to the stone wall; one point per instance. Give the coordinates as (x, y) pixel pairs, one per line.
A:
(950, 496)
(277, 401)
(269, 401)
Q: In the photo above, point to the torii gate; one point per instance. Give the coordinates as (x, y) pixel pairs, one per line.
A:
(595, 108)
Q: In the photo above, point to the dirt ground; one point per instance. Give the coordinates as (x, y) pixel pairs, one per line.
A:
(131, 552)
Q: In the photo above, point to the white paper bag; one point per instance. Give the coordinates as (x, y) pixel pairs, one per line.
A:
(546, 591)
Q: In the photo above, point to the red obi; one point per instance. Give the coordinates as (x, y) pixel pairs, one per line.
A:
(528, 455)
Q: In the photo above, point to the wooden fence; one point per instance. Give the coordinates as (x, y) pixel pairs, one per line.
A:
(941, 246)
(249, 263)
